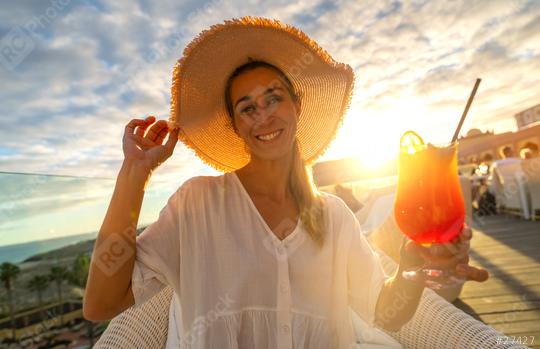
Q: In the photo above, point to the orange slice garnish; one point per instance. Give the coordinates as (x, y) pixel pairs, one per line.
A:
(411, 142)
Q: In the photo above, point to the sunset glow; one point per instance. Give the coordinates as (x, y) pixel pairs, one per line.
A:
(92, 68)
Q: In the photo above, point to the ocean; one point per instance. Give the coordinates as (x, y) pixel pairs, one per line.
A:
(19, 252)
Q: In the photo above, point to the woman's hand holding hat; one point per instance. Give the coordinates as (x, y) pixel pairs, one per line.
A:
(146, 147)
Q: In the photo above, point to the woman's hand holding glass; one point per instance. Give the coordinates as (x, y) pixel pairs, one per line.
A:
(451, 257)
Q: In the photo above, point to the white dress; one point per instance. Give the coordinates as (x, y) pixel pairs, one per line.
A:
(238, 286)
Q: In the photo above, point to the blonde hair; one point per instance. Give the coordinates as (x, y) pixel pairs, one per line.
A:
(306, 195)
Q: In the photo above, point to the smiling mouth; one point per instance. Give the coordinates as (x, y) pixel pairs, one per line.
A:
(269, 136)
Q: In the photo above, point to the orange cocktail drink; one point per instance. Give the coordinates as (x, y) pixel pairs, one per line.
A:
(429, 206)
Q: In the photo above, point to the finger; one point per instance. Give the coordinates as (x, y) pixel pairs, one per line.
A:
(140, 131)
(173, 139)
(412, 253)
(451, 249)
(143, 141)
(472, 273)
(446, 262)
(463, 257)
(463, 249)
(446, 249)
(415, 254)
(130, 127)
(441, 262)
(414, 248)
(161, 136)
(466, 234)
(458, 245)
(155, 130)
(147, 122)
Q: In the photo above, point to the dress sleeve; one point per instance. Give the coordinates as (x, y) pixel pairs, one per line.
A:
(157, 257)
(365, 273)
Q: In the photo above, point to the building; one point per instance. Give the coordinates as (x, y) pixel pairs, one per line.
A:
(528, 117)
(478, 146)
(35, 321)
(331, 172)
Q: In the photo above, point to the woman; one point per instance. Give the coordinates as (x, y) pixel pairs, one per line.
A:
(257, 257)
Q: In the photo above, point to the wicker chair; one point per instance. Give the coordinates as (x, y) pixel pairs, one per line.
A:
(436, 324)
(534, 192)
(531, 170)
(509, 189)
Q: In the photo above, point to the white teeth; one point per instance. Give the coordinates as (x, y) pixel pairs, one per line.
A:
(269, 136)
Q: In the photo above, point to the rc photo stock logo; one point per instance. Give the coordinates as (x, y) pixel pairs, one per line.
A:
(111, 254)
(14, 47)
(18, 43)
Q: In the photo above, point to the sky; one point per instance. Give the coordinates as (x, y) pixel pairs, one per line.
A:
(80, 70)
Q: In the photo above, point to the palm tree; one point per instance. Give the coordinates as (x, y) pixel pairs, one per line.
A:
(79, 271)
(78, 277)
(38, 284)
(59, 274)
(8, 273)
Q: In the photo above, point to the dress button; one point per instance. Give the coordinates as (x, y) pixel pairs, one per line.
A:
(285, 329)
(284, 288)
(281, 250)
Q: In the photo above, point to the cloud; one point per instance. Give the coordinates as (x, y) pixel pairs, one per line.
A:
(95, 66)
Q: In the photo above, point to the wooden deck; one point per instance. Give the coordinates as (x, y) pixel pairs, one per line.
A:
(509, 248)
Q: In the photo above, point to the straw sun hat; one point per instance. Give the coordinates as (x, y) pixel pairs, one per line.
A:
(199, 78)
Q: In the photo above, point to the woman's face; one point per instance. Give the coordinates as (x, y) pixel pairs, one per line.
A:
(265, 114)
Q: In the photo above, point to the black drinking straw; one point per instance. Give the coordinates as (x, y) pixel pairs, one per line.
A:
(469, 102)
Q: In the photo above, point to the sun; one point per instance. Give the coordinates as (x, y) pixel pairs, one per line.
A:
(369, 140)
(373, 136)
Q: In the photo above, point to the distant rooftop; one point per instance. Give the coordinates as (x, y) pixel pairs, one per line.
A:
(528, 116)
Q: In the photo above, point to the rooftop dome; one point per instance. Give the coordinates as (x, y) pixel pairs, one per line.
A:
(474, 132)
